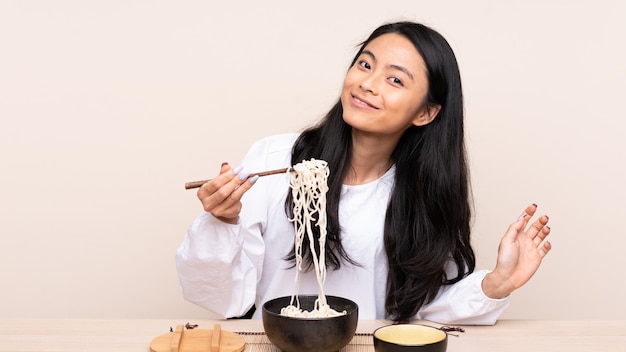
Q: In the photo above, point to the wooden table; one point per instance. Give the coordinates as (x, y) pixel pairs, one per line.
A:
(20, 335)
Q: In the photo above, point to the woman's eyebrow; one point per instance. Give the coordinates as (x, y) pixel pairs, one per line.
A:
(400, 68)
(369, 53)
(395, 67)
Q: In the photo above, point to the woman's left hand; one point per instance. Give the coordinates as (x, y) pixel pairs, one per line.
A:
(519, 255)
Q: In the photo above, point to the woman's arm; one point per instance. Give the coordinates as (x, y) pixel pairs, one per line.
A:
(218, 265)
(220, 261)
(481, 297)
(464, 303)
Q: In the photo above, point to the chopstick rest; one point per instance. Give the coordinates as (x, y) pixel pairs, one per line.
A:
(192, 340)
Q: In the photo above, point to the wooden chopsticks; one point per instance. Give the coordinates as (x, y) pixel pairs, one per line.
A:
(197, 184)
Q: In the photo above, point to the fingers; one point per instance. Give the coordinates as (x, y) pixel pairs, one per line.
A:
(522, 221)
(519, 225)
(225, 175)
(528, 213)
(221, 196)
(545, 248)
(538, 230)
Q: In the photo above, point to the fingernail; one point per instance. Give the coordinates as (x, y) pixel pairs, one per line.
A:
(253, 179)
(224, 164)
(238, 169)
(244, 175)
(522, 216)
(535, 204)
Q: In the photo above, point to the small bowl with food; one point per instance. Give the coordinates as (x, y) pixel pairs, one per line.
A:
(300, 332)
(410, 338)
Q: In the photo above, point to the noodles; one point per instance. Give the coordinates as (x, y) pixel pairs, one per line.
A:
(308, 183)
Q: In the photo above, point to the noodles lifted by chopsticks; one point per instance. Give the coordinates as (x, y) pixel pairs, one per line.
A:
(309, 185)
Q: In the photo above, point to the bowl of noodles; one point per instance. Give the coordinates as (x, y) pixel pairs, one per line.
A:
(312, 326)
(310, 323)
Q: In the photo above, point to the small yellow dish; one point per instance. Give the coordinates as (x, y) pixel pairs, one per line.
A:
(409, 338)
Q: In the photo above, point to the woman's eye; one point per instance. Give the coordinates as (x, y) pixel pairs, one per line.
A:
(364, 64)
(396, 80)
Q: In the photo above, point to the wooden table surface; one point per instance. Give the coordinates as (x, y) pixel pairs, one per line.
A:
(20, 335)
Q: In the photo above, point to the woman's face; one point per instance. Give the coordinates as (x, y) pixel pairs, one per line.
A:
(384, 91)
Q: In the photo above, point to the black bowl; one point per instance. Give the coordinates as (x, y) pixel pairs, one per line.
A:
(410, 338)
(310, 334)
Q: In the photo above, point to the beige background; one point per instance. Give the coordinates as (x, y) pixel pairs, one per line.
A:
(108, 107)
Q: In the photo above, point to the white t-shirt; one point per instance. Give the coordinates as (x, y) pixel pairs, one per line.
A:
(228, 268)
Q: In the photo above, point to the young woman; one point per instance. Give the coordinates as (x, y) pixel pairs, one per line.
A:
(398, 209)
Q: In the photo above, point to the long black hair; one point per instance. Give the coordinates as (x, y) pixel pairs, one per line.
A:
(427, 224)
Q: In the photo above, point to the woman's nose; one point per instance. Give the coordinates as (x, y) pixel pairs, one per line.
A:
(368, 84)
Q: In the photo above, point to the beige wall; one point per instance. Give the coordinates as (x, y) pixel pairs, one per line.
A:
(108, 107)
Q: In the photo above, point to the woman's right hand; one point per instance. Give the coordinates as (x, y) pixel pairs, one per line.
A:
(221, 196)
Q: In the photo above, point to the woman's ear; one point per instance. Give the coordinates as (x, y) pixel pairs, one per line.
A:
(427, 115)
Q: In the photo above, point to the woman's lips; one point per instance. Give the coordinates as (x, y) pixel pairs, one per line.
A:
(360, 102)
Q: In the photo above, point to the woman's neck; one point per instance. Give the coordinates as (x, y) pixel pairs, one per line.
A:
(371, 159)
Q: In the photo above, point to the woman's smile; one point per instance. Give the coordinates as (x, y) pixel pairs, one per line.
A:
(362, 103)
